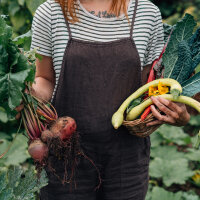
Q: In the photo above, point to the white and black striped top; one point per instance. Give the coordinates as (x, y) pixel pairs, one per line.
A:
(51, 36)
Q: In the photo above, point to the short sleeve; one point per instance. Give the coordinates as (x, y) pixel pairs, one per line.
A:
(41, 29)
(156, 40)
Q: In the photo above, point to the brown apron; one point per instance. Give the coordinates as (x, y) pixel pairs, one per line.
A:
(95, 78)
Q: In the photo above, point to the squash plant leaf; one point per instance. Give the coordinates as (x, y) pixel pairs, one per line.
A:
(18, 152)
(171, 171)
(182, 31)
(19, 185)
(191, 86)
(193, 154)
(173, 134)
(169, 152)
(188, 196)
(159, 193)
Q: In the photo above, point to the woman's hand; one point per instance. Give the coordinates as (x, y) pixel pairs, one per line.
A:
(175, 113)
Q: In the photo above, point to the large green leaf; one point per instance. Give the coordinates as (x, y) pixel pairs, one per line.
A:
(23, 38)
(193, 154)
(17, 187)
(3, 60)
(15, 70)
(188, 196)
(173, 134)
(167, 30)
(13, 55)
(182, 31)
(171, 171)
(161, 194)
(156, 139)
(194, 43)
(182, 69)
(195, 120)
(29, 185)
(14, 176)
(167, 152)
(2, 180)
(12, 85)
(191, 86)
(5, 32)
(18, 152)
(6, 194)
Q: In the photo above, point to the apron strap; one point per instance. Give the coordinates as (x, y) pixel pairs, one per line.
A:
(133, 20)
(68, 28)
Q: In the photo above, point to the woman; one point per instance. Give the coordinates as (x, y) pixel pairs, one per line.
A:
(95, 54)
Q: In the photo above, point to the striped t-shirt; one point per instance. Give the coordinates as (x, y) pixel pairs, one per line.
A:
(50, 32)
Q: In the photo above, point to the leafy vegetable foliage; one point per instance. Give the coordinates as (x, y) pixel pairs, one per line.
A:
(171, 171)
(15, 69)
(182, 31)
(17, 154)
(17, 185)
(159, 193)
(191, 86)
(174, 161)
(182, 55)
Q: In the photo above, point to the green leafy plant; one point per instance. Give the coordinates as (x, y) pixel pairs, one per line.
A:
(15, 184)
(19, 13)
(15, 69)
(182, 55)
(174, 166)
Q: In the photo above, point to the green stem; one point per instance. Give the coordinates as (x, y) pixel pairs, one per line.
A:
(35, 113)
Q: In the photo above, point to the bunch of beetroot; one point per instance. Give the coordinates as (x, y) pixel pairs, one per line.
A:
(49, 134)
(58, 136)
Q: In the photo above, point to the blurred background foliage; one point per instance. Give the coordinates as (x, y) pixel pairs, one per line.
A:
(175, 164)
(172, 10)
(20, 12)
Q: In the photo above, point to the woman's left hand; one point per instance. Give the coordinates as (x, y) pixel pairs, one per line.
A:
(175, 113)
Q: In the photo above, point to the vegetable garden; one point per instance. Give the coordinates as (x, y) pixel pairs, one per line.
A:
(175, 162)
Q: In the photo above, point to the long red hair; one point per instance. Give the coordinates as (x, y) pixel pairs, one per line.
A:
(69, 8)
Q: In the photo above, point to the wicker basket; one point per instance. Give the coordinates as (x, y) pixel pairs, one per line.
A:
(138, 127)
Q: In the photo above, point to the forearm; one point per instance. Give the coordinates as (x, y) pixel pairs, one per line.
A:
(43, 88)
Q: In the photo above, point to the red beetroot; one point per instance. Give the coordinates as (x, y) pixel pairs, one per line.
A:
(38, 150)
(64, 127)
(47, 135)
